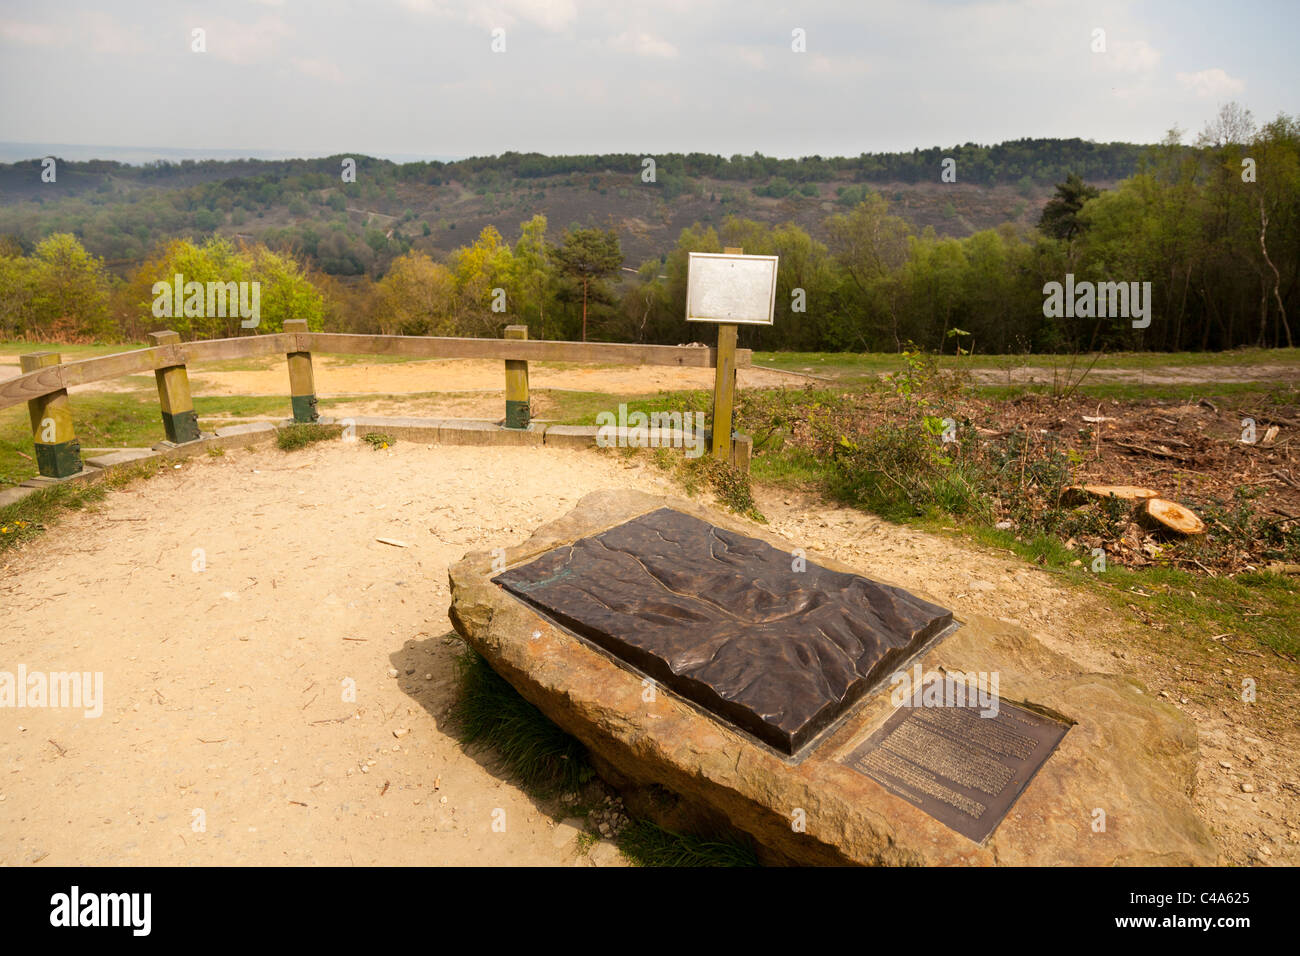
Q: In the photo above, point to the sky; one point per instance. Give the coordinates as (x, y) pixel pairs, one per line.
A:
(421, 78)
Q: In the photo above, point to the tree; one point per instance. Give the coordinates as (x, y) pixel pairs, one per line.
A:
(416, 297)
(70, 287)
(587, 256)
(479, 269)
(17, 287)
(870, 247)
(1060, 217)
(530, 271)
(283, 289)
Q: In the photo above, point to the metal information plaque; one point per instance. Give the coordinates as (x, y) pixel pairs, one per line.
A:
(739, 290)
(963, 769)
(725, 621)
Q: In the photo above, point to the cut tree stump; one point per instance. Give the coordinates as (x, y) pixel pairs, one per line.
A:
(1078, 494)
(1166, 515)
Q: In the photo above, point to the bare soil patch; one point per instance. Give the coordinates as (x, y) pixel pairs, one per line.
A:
(464, 375)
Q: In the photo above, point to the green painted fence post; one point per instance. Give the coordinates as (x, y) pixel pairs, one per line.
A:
(179, 419)
(58, 453)
(302, 383)
(518, 413)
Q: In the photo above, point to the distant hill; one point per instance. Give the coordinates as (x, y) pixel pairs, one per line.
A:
(120, 210)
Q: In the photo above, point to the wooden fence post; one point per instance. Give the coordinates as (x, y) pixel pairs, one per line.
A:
(302, 383)
(724, 383)
(58, 453)
(518, 413)
(179, 419)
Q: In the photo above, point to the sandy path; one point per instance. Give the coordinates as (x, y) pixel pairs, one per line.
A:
(251, 652)
(223, 688)
(465, 375)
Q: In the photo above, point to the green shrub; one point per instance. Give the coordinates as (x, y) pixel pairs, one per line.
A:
(300, 435)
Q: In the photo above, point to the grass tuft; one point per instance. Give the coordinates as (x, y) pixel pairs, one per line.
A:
(488, 711)
(545, 760)
(646, 844)
(293, 437)
(29, 517)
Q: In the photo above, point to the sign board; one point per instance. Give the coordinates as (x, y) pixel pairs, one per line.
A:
(738, 290)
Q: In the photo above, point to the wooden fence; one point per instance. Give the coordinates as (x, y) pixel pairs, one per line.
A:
(45, 379)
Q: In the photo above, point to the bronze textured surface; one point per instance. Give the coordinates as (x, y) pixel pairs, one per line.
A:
(727, 622)
(963, 764)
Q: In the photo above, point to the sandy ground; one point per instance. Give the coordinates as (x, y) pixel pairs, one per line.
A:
(224, 687)
(448, 375)
(338, 379)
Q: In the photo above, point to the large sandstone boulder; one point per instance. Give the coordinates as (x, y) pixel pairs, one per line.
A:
(1126, 755)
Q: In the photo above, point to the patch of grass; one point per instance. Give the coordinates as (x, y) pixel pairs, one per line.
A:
(545, 760)
(242, 406)
(646, 844)
(1258, 607)
(119, 420)
(1261, 607)
(105, 420)
(302, 434)
(899, 471)
(29, 517)
(788, 467)
(581, 408)
(726, 481)
(731, 485)
(488, 711)
(215, 451)
(378, 440)
(1121, 391)
(69, 353)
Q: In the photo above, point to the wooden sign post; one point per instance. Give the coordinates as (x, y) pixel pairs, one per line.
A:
(724, 380)
(729, 289)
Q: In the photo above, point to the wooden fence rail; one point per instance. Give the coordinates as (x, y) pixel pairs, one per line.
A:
(45, 379)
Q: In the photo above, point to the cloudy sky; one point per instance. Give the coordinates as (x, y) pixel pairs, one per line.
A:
(420, 77)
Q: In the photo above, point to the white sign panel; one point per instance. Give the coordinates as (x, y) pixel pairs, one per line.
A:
(731, 289)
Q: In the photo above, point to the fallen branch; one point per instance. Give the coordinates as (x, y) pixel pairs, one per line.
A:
(1289, 480)
(1155, 452)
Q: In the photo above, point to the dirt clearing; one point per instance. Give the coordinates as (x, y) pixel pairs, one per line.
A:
(227, 735)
